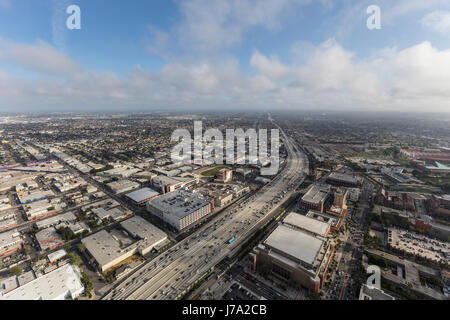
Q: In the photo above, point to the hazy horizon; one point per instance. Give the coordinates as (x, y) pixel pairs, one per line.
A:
(225, 55)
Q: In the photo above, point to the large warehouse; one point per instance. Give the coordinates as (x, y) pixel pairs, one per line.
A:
(291, 254)
(110, 249)
(142, 195)
(60, 284)
(180, 208)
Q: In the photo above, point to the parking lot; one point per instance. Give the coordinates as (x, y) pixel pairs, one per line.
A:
(238, 292)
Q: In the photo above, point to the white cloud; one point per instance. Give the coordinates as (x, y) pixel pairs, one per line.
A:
(39, 57)
(214, 24)
(329, 77)
(438, 21)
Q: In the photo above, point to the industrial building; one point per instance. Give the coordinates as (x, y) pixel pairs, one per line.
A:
(60, 284)
(113, 214)
(142, 195)
(342, 179)
(10, 241)
(64, 218)
(180, 208)
(43, 208)
(122, 186)
(316, 198)
(48, 238)
(26, 197)
(167, 184)
(291, 254)
(110, 250)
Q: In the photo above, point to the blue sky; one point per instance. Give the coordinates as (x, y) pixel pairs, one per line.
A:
(204, 54)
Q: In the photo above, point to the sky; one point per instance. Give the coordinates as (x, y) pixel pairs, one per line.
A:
(140, 55)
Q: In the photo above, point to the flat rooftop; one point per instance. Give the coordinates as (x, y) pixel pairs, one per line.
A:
(142, 194)
(316, 194)
(296, 244)
(323, 217)
(55, 285)
(179, 203)
(376, 294)
(138, 227)
(306, 223)
(103, 247)
(342, 177)
(6, 238)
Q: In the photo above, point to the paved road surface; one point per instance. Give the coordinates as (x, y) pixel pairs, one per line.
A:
(171, 274)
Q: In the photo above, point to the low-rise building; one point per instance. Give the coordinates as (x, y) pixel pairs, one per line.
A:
(10, 241)
(48, 238)
(60, 284)
(142, 196)
(109, 251)
(122, 186)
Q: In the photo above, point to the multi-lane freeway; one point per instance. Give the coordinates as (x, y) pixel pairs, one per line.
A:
(174, 272)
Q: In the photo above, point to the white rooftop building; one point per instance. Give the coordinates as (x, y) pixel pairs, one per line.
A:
(60, 284)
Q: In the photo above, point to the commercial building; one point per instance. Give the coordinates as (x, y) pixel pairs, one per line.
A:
(142, 195)
(436, 155)
(10, 241)
(221, 200)
(8, 285)
(440, 204)
(308, 224)
(106, 204)
(372, 293)
(43, 208)
(224, 175)
(48, 238)
(122, 186)
(316, 198)
(109, 250)
(291, 254)
(64, 218)
(5, 203)
(56, 256)
(144, 232)
(167, 184)
(7, 223)
(123, 172)
(180, 208)
(334, 221)
(29, 197)
(60, 284)
(113, 214)
(342, 179)
(438, 168)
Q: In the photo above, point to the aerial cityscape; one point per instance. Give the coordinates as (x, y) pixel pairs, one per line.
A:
(193, 178)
